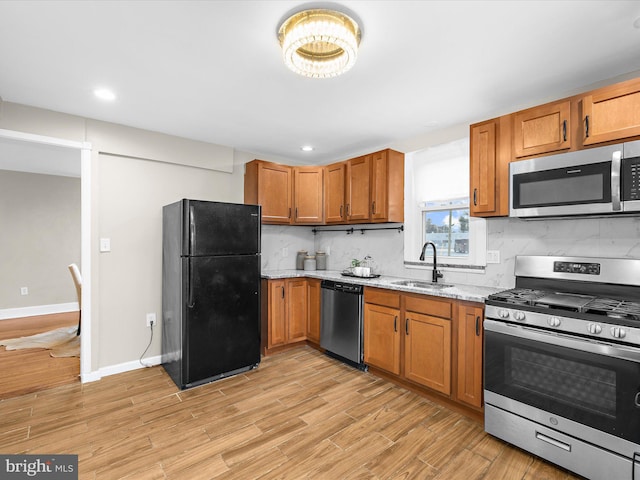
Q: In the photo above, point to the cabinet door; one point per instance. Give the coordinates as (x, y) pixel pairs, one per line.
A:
(379, 186)
(274, 192)
(542, 129)
(296, 310)
(358, 189)
(428, 351)
(382, 337)
(307, 197)
(469, 384)
(491, 152)
(334, 193)
(277, 314)
(611, 113)
(483, 168)
(313, 315)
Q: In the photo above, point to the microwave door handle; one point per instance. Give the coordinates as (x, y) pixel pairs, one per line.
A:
(615, 180)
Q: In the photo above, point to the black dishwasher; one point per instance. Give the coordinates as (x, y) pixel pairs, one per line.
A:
(341, 322)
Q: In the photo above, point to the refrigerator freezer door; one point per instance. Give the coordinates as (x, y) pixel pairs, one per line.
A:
(216, 228)
(222, 316)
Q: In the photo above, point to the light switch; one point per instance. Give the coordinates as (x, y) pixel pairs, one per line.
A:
(105, 244)
(493, 256)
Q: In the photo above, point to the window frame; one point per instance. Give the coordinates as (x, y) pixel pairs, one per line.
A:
(475, 262)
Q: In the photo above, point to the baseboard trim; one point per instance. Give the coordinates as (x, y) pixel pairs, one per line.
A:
(121, 368)
(8, 313)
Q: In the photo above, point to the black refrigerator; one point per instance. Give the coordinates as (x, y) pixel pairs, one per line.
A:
(210, 290)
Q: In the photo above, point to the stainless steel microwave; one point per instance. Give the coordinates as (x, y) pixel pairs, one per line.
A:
(598, 181)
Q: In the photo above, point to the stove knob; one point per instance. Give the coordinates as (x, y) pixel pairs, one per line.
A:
(519, 316)
(503, 313)
(594, 328)
(618, 332)
(553, 321)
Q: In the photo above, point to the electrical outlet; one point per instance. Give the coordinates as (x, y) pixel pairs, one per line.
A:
(24, 291)
(493, 256)
(151, 319)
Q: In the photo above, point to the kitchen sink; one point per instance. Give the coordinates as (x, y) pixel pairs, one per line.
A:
(419, 284)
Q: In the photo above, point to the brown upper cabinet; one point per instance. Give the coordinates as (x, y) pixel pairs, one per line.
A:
(288, 195)
(611, 113)
(387, 186)
(490, 145)
(334, 193)
(358, 188)
(269, 185)
(542, 129)
(365, 189)
(605, 115)
(307, 195)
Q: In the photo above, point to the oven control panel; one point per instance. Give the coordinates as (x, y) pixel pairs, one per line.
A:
(577, 267)
(597, 330)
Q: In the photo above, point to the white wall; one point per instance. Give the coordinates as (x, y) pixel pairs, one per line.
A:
(134, 173)
(40, 236)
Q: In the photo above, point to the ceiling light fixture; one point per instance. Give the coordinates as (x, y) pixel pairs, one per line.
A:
(104, 94)
(307, 148)
(319, 43)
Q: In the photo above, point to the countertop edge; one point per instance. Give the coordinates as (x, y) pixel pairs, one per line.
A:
(469, 293)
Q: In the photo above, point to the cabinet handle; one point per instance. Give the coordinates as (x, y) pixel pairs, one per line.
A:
(289, 212)
(406, 326)
(373, 207)
(478, 326)
(282, 292)
(475, 197)
(586, 126)
(395, 326)
(296, 213)
(340, 211)
(347, 209)
(564, 131)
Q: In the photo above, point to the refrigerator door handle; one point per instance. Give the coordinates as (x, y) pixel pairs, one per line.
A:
(190, 302)
(192, 232)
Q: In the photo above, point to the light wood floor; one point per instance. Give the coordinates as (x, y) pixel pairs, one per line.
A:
(33, 369)
(299, 415)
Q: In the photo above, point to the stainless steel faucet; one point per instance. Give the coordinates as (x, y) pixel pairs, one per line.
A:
(436, 273)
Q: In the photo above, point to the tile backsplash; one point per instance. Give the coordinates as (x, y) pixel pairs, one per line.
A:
(613, 237)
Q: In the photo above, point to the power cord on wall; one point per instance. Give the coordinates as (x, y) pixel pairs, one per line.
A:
(145, 350)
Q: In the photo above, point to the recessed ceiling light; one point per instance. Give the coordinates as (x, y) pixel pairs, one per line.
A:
(307, 148)
(104, 94)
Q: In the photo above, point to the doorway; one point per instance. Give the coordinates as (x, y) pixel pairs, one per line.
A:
(49, 155)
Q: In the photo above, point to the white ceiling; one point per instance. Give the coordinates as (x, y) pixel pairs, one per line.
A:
(212, 70)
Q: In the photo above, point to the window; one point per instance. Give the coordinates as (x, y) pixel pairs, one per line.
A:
(437, 208)
(447, 225)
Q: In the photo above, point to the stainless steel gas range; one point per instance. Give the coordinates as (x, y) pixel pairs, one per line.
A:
(562, 363)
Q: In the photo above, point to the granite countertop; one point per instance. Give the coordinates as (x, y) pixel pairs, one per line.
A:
(470, 293)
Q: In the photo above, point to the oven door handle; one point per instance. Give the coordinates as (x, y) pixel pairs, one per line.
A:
(563, 340)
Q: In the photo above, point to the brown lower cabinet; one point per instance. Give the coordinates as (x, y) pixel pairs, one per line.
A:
(290, 312)
(313, 313)
(429, 341)
(469, 354)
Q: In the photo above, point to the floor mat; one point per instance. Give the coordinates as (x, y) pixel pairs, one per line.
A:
(63, 342)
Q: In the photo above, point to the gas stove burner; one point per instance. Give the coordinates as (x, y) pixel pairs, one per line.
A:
(619, 309)
(518, 296)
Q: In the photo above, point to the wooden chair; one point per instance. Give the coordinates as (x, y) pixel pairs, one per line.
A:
(77, 280)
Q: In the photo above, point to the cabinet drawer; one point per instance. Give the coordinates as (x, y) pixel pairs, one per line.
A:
(428, 306)
(388, 298)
